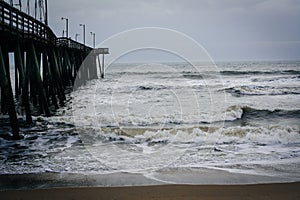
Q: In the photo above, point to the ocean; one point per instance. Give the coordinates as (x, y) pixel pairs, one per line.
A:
(149, 118)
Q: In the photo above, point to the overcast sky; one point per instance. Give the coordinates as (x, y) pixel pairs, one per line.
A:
(228, 29)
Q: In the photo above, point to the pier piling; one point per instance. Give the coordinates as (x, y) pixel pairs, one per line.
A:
(8, 94)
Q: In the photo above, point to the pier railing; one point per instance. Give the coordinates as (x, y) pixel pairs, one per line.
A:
(24, 26)
(19, 24)
(71, 44)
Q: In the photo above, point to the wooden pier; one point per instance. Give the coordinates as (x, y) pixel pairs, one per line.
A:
(45, 65)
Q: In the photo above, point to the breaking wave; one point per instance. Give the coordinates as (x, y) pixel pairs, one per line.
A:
(262, 90)
(284, 72)
(238, 112)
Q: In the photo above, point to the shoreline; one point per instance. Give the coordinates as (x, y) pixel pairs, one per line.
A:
(174, 192)
(167, 176)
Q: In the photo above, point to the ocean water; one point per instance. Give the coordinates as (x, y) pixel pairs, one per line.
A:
(144, 118)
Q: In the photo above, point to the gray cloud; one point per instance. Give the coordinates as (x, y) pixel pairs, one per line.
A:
(229, 29)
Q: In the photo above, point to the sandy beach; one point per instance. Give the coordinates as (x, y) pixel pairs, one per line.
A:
(174, 192)
(203, 184)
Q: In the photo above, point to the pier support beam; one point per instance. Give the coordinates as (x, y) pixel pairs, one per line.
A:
(93, 67)
(49, 81)
(36, 75)
(19, 62)
(57, 78)
(98, 52)
(7, 90)
(101, 65)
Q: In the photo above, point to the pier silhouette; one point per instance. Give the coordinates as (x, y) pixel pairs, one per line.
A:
(45, 65)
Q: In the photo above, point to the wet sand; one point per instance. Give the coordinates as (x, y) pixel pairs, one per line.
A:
(190, 184)
(172, 192)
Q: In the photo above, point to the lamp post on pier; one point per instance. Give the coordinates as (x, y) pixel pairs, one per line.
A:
(46, 12)
(76, 36)
(67, 26)
(94, 39)
(19, 4)
(83, 26)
